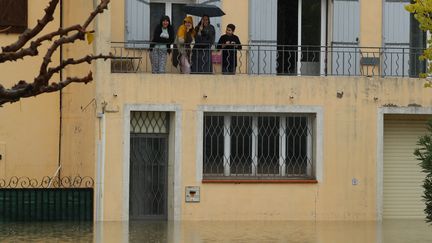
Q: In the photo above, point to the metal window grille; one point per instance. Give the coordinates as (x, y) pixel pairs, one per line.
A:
(256, 146)
(149, 122)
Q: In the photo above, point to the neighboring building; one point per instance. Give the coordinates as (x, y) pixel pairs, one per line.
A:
(319, 123)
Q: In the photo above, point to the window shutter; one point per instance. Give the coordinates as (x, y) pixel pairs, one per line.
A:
(263, 31)
(137, 22)
(346, 31)
(13, 16)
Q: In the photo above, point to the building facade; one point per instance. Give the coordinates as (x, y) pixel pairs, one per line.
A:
(319, 122)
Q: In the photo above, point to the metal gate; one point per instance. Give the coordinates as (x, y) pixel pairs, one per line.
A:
(24, 199)
(148, 165)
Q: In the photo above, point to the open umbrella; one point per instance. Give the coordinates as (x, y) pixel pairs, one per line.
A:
(203, 9)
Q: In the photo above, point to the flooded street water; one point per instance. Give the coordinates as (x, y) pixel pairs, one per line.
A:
(388, 231)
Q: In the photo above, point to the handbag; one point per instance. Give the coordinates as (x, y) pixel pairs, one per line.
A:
(185, 66)
(175, 56)
(216, 57)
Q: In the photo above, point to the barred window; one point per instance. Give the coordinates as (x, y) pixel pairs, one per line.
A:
(13, 16)
(256, 146)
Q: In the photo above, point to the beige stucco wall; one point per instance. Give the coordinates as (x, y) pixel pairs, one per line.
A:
(79, 128)
(370, 23)
(237, 13)
(117, 20)
(349, 141)
(29, 129)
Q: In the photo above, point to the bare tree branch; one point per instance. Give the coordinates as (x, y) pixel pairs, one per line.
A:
(32, 50)
(88, 59)
(64, 40)
(11, 53)
(30, 33)
(23, 89)
(99, 9)
(41, 83)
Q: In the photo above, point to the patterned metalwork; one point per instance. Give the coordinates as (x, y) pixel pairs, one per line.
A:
(148, 165)
(256, 146)
(47, 182)
(149, 122)
(270, 59)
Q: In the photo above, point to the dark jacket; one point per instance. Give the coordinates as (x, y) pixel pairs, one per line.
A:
(157, 32)
(206, 38)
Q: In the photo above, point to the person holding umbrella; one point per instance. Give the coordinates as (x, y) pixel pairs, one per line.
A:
(163, 36)
(201, 53)
(205, 38)
(229, 43)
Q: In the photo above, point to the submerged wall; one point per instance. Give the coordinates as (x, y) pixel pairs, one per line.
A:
(349, 142)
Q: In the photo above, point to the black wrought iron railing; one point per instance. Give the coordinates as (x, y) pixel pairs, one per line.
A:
(25, 199)
(335, 60)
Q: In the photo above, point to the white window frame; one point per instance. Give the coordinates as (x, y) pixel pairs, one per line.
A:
(168, 12)
(175, 212)
(317, 128)
(168, 5)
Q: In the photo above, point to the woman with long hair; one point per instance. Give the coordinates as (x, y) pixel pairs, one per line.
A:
(201, 53)
(163, 37)
(182, 50)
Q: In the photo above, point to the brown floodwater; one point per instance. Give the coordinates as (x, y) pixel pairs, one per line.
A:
(388, 231)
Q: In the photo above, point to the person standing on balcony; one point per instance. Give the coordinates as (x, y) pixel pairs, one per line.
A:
(229, 43)
(201, 53)
(182, 49)
(163, 37)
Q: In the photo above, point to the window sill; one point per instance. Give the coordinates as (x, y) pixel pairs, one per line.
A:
(237, 181)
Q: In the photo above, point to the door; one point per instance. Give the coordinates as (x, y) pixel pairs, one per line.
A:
(285, 37)
(311, 36)
(142, 16)
(148, 166)
(396, 27)
(137, 23)
(403, 41)
(402, 176)
(345, 53)
(263, 36)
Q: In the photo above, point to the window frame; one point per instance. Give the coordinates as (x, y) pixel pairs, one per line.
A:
(21, 21)
(316, 143)
(138, 39)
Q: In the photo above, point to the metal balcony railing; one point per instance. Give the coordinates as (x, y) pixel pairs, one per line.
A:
(335, 60)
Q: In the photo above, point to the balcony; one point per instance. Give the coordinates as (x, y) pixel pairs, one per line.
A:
(336, 60)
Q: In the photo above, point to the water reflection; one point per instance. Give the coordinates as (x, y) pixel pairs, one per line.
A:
(46, 232)
(389, 231)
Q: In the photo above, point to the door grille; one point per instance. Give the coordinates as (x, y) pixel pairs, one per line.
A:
(148, 165)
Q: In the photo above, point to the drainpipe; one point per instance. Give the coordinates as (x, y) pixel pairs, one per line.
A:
(100, 165)
(61, 101)
(326, 39)
(99, 46)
